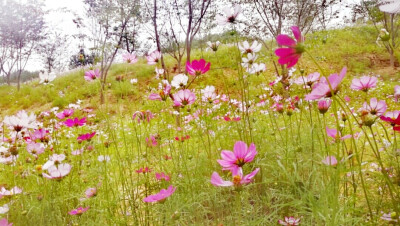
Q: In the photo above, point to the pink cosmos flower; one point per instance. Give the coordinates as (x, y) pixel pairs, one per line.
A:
(198, 67)
(92, 75)
(322, 89)
(65, 114)
(151, 141)
(240, 155)
(163, 94)
(392, 117)
(87, 136)
(289, 221)
(144, 170)
(153, 57)
(78, 211)
(75, 122)
(39, 134)
(309, 80)
(144, 116)
(237, 178)
(163, 194)
(396, 92)
(90, 192)
(364, 83)
(228, 119)
(162, 176)
(292, 53)
(57, 172)
(375, 107)
(4, 222)
(55, 159)
(335, 134)
(13, 191)
(330, 161)
(35, 149)
(130, 58)
(323, 105)
(184, 97)
(230, 16)
(78, 152)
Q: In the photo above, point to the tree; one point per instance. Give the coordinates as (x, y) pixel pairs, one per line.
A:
(51, 51)
(21, 27)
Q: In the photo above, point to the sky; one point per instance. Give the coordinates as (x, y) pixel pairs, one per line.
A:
(60, 18)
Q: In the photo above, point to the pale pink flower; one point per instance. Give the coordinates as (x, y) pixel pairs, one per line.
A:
(55, 159)
(21, 121)
(90, 192)
(58, 172)
(364, 83)
(35, 149)
(237, 178)
(309, 80)
(323, 105)
(65, 114)
(78, 211)
(163, 194)
(130, 58)
(335, 134)
(183, 98)
(375, 107)
(230, 15)
(154, 57)
(13, 191)
(396, 92)
(322, 89)
(289, 221)
(4, 222)
(92, 75)
(330, 161)
(240, 155)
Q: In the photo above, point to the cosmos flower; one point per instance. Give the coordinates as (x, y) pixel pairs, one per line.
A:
(133, 81)
(65, 114)
(237, 178)
(323, 105)
(364, 83)
(330, 161)
(21, 121)
(163, 94)
(322, 89)
(58, 172)
(75, 122)
(179, 81)
(396, 92)
(256, 68)
(103, 158)
(35, 149)
(46, 78)
(375, 107)
(162, 176)
(162, 195)
(39, 134)
(154, 57)
(130, 58)
(90, 192)
(87, 136)
(245, 47)
(4, 209)
(184, 97)
(249, 60)
(289, 221)
(309, 80)
(240, 155)
(4, 222)
(143, 116)
(230, 15)
(78, 211)
(335, 134)
(294, 48)
(92, 75)
(213, 45)
(198, 67)
(13, 191)
(55, 159)
(390, 6)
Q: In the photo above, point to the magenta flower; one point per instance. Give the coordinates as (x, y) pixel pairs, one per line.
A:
(230, 15)
(396, 92)
(289, 221)
(375, 107)
(75, 122)
(184, 97)
(4, 222)
(309, 80)
(90, 192)
(392, 117)
(240, 155)
(92, 75)
(295, 48)
(78, 211)
(237, 178)
(153, 57)
(197, 67)
(144, 116)
(35, 149)
(163, 194)
(39, 134)
(335, 134)
(87, 136)
(151, 141)
(364, 83)
(65, 114)
(323, 105)
(322, 89)
(162, 176)
(330, 161)
(130, 58)
(57, 172)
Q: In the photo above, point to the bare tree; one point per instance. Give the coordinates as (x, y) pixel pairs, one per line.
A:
(51, 51)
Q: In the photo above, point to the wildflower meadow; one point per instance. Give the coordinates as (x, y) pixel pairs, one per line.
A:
(299, 127)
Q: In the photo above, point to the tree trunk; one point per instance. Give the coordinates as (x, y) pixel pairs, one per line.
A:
(158, 37)
(188, 41)
(19, 80)
(392, 59)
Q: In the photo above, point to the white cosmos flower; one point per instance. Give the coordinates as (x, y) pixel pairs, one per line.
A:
(21, 121)
(4, 209)
(256, 68)
(179, 81)
(246, 48)
(213, 45)
(134, 81)
(249, 60)
(230, 15)
(46, 78)
(103, 158)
